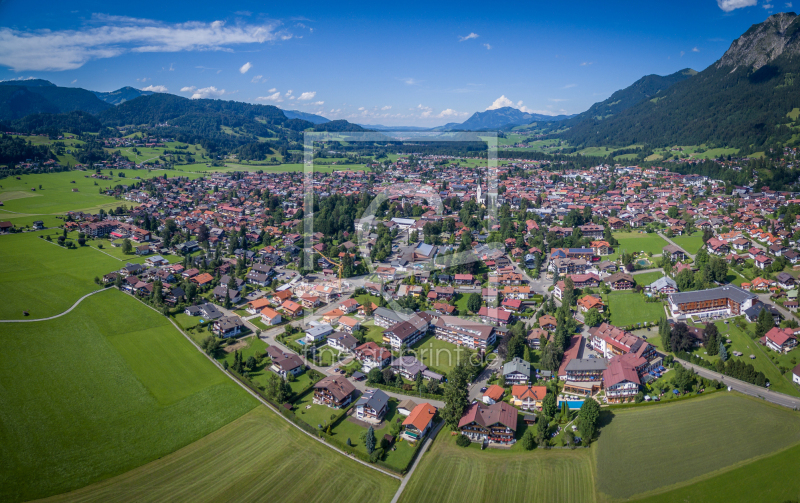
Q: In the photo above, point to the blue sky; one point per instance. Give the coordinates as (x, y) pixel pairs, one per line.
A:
(392, 63)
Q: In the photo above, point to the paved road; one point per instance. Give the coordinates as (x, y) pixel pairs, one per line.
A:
(482, 380)
(746, 388)
(57, 315)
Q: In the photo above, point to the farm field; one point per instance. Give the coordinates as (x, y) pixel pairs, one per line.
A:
(47, 279)
(452, 474)
(726, 429)
(628, 308)
(258, 457)
(772, 478)
(633, 242)
(690, 244)
(100, 391)
(56, 195)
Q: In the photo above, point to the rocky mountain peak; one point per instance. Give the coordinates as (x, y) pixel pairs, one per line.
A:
(764, 42)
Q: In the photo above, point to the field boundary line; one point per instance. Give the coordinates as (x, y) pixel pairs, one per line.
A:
(264, 402)
(104, 253)
(57, 315)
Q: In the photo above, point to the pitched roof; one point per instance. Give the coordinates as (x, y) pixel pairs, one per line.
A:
(421, 416)
(497, 413)
(337, 386)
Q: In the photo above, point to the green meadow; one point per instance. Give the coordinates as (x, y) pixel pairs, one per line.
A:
(105, 389)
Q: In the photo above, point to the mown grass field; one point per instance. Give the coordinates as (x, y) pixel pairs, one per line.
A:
(646, 278)
(628, 308)
(258, 457)
(107, 388)
(633, 242)
(772, 478)
(439, 355)
(452, 474)
(56, 195)
(679, 442)
(44, 278)
(690, 244)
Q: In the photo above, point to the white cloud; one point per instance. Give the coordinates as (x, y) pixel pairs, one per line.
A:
(76, 80)
(273, 90)
(569, 86)
(556, 100)
(788, 5)
(112, 36)
(143, 79)
(275, 97)
(587, 63)
(488, 47)
(682, 53)
(288, 92)
(768, 6)
(695, 49)
(207, 92)
(318, 103)
(387, 107)
(449, 112)
(307, 96)
(731, 5)
(188, 89)
(155, 89)
(471, 35)
(257, 79)
(245, 67)
(501, 102)
(426, 111)
(411, 81)
(361, 108)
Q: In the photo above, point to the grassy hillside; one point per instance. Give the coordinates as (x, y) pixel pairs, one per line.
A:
(100, 391)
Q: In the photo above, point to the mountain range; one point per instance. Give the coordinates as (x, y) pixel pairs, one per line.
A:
(744, 100)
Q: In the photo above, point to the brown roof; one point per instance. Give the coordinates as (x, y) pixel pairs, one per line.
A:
(337, 386)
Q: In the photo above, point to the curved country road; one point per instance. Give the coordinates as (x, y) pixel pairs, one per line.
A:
(57, 315)
(744, 387)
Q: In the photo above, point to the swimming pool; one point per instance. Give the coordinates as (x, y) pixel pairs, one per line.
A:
(301, 342)
(573, 404)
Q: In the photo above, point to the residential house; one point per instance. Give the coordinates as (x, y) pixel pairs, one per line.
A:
(230, 326)
(419, 421)
(489, 423)
(285, 363)
(270, 316)
(493, 394)
(528, 397)
(342, 341)
(335, 391)
(372, 406)
(372, 356)
(781, 340)
(517, 371)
